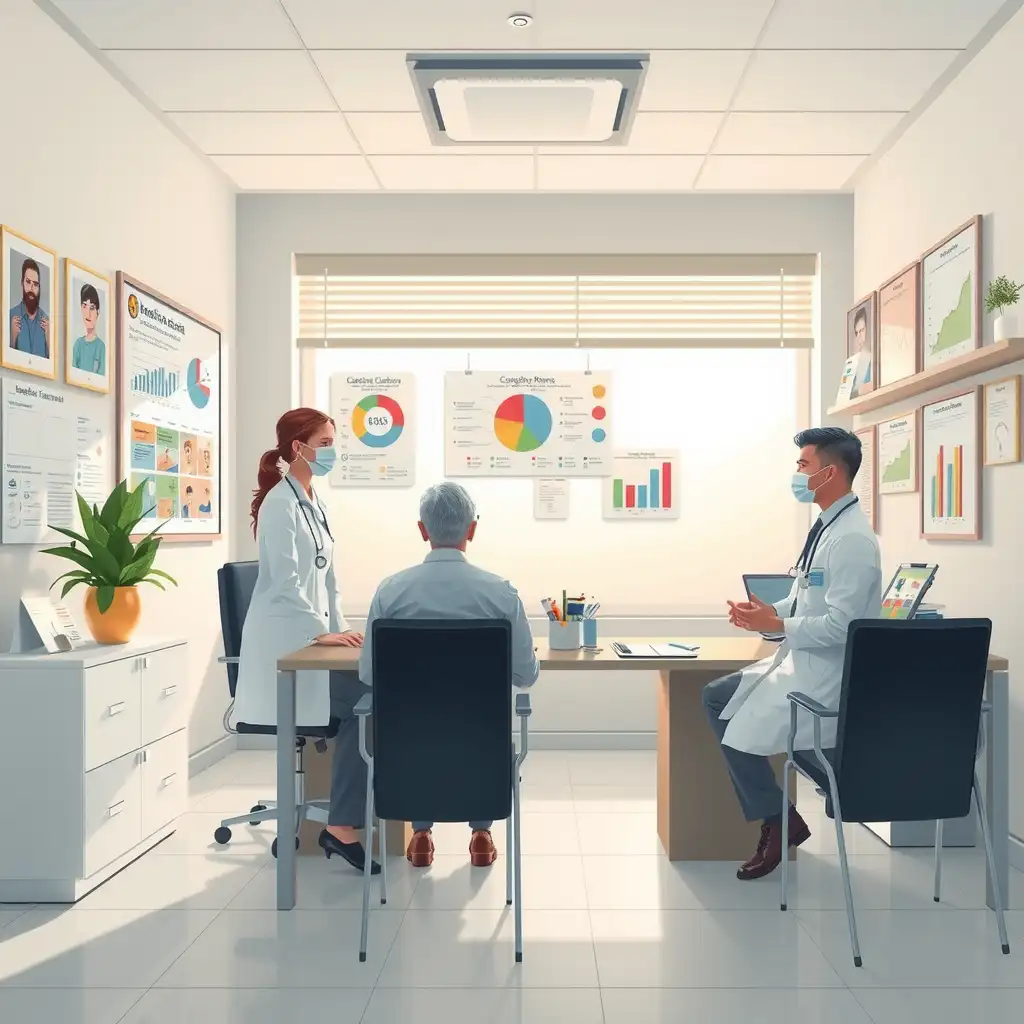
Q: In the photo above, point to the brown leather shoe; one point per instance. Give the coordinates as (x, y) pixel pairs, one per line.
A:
(482, 852)
(768, 855)
(420, 853)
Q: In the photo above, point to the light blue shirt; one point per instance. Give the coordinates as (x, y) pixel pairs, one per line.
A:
(447, 586)
(90, 356)
(31, 338)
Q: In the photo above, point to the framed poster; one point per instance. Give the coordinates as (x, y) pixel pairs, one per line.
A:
(169, 410)
(865, 485)
(951, 296)
(28, 302)
(951, 485)
(1002, 421)
(88, 340)
(899, 326)
(861, 324)
(897, 455)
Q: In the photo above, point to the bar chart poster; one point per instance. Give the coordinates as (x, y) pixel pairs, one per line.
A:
(950, 497)
(951, 291)
(374, 415)
(643, 485)
(553, 424)
(897, 455)
(169, 408)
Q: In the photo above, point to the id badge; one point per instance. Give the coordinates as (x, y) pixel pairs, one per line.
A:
(816, 578)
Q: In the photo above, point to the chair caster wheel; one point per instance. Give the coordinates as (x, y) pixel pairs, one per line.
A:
(273, 847)
(362, 958)
(857, 962)
(519, 958)
(222, 836)
(256, 810)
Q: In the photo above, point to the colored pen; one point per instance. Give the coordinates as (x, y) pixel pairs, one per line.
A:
(686, 647)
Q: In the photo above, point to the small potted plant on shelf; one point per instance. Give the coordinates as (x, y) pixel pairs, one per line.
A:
(1003, 293)
(110, 564)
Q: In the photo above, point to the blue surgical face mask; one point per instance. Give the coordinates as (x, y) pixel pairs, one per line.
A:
(801, 487)
(323, 460)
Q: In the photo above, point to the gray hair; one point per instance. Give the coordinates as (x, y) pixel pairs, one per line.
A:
(447, 511)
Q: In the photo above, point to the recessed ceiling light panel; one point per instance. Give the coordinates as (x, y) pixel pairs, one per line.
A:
(521, 20)
(528, 99)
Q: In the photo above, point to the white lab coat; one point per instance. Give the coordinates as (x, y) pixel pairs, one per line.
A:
(810, 659)
(293, 603)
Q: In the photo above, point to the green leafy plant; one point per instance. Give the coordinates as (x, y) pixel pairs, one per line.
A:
(105, 555)
(1002, 292)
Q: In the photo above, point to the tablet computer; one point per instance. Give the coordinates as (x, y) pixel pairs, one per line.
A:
(907, 588)
(770, 587)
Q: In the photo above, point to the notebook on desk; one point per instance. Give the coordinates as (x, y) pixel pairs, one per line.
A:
(652, 651)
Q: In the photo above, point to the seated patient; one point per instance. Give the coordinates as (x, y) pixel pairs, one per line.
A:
(447, 586)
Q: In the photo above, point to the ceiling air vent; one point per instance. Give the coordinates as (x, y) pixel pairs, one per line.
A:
(528, 99)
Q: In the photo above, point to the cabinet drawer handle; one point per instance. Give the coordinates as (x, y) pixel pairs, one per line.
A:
(116, 709)
(145, 662)
(169, 690)
(168, 779)
(115, 809)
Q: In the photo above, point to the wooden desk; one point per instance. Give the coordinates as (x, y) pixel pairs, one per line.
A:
(698, 814)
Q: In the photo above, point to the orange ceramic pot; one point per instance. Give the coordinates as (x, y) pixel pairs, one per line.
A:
(118, 623)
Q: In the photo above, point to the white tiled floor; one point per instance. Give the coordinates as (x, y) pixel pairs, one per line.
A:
(615, 934)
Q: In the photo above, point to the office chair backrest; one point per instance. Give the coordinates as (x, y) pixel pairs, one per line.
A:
(442, 714)
(908, 718)
(235, 584)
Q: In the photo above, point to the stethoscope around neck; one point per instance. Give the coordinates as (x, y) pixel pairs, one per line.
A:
(803, 563)
(316, 527)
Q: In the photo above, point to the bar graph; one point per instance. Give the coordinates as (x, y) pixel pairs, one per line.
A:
(948, 483)
(642, 486)
(950, 446)
(157, 383)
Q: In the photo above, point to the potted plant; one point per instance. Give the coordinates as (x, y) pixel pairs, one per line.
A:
(1003, 293)
(110, 564)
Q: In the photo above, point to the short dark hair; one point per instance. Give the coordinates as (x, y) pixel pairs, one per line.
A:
(835, 445)
(188, 490)
(861, 314)
(89, 294)
(30, 264)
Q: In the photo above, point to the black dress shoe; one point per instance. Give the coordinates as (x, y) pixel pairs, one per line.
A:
(353, 853)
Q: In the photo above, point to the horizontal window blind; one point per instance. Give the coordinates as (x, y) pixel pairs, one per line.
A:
(682, 310)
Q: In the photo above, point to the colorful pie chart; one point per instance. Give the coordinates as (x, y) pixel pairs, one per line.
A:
(198, 387)
(378, 421)
(522, 423)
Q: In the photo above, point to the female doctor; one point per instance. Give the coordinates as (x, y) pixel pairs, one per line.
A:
(295, 603)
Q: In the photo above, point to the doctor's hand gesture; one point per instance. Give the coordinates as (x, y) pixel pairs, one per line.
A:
(754, 615)
(340, 639)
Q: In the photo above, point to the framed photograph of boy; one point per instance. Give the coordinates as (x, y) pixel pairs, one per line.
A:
(88, 339)
(861, 324)
(28, 299)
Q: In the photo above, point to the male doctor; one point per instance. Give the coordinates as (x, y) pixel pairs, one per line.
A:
(837, 579)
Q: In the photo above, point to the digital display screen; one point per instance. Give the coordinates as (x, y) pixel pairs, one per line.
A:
(904, 593)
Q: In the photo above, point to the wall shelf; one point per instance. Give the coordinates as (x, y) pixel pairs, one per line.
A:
(988, 357)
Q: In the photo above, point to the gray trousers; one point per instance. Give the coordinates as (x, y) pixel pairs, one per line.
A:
(752, 776)
(348, 771)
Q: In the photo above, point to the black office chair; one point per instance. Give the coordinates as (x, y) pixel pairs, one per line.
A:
(235, 583)
(442, 745)
(908, 737)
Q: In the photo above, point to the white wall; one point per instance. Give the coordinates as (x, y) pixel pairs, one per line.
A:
(91, 173)
(963, 157)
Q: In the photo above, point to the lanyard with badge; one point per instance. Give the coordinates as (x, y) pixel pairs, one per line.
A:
(801, 571)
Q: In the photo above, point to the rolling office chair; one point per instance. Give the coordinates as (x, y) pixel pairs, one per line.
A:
(236, 582)
(908, 737)
(442, 750)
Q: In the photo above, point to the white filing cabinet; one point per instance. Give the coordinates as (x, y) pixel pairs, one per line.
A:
(93, 764)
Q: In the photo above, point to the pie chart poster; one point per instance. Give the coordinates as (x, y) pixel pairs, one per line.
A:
(528, 424)
(374, 416)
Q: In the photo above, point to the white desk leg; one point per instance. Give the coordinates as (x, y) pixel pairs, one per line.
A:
(997, 783)
(286, 811)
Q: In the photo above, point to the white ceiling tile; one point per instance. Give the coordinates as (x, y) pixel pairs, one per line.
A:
(840, 80)
(877, 24)
(656, 132)
(298, 173)
(368, 80)
(268, 133)
(777, 173)
(455, 173)
(794, 133)
(225, 79)
(617, 173)
(644, 24)
(692, 79)
(405, 133)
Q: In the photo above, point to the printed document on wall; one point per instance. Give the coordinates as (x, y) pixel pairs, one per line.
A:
(554, 424)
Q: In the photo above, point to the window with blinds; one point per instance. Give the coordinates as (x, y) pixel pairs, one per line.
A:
(716, 310)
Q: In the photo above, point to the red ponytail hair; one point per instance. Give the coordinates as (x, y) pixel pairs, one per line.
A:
(297, 425)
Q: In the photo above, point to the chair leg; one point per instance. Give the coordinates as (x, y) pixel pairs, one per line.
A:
(518, 866)
(844, 866)
(508, 861)
(785, 834)
(987, 836)
(368, 864)
(382, 842)
(937, 895)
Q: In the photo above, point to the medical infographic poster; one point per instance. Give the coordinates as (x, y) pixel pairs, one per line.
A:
(1002, 421)
(169, 410)
(53, 441)
(643, 485)
(897, 455)
(898, 326)
(951, 296)
(865, 486)
(951, 468)
(374, 416)
(554, 424)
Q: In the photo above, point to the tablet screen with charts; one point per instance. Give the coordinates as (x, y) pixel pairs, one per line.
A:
(905, 592)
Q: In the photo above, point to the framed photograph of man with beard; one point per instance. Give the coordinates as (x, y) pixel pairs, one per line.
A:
(28, 301)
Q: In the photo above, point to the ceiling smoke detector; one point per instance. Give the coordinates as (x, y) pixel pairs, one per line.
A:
(520, 20)
(528, 98)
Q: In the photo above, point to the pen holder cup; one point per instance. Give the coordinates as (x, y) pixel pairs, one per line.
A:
(590, 632)
(564, 636)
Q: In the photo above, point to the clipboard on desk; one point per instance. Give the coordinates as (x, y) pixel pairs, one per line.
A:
(654, 652)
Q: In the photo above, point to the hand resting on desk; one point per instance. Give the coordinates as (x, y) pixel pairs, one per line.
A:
(340, 640)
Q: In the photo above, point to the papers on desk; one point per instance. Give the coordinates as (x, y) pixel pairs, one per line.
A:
(651, 651)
